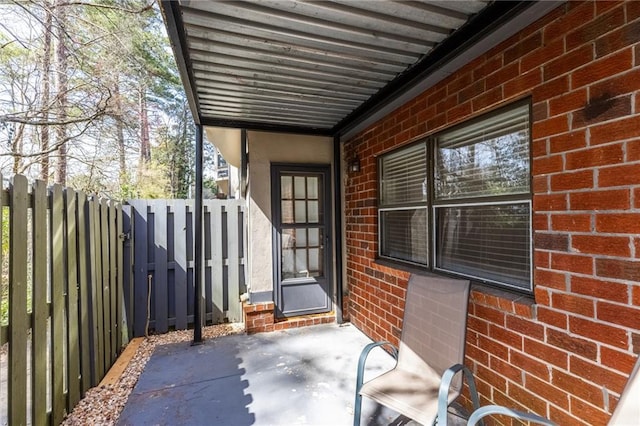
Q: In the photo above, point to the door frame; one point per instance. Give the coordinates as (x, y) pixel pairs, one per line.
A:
(325, 170)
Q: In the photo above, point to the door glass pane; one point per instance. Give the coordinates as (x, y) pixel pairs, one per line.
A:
(314, 214)
(299, 183)
(314, 237)
(314, 260)
(287, 212)
(286, 187)
(301, 263)
(301, 212)
(301, 238)
(287, 264)
(312, 187)
(288, 239)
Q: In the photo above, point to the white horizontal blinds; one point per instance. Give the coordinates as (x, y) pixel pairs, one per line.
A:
(491, 242)
(404, 234)
(403, 209)
(403, 176)
(485, 167)
(484, 158)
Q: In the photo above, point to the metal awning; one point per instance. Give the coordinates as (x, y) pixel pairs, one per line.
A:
(319, 66)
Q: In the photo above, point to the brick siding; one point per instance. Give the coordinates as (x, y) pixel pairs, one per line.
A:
(568, 355)
(260, 318)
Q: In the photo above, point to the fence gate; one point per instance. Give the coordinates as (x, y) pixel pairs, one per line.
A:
(163, 246)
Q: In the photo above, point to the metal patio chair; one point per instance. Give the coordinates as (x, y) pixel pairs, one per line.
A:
(626, 413)
(423, 384)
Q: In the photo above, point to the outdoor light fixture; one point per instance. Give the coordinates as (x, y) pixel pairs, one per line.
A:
(354, 165)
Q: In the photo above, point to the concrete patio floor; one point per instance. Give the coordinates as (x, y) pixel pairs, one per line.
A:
(303, 376)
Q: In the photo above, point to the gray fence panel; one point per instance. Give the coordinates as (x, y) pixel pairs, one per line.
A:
(163, 234)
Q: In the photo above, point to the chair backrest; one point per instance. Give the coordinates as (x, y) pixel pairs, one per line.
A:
(434, 325)
(627, 411)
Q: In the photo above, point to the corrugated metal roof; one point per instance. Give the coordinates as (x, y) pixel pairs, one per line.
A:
(302, 64)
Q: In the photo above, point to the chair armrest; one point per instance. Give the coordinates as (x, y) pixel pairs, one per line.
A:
(363, 359)
(445, 385)
(498, 409)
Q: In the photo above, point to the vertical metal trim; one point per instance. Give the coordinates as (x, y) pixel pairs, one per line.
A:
(337, 217)
(244, 162)
(274, 187)
(198, 252)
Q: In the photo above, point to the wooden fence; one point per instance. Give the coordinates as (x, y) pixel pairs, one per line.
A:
(65, 275)
(163, 245)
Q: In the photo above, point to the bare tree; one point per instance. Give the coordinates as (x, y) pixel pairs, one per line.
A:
(61, 89)
(46, 90)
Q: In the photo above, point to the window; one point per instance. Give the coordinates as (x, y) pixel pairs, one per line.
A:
(403, 212)
(474, 189)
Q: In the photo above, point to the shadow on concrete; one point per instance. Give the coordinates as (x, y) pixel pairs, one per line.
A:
(195, 385)
(298, 376)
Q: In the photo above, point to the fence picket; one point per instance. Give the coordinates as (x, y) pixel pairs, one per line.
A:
(40, 309)
(180, 269)
(97, 293)
(18, 316)
(113, 286)
(125, 229)
(84, 292)
(3, 329)
(119, 254)
(106, 291)
(58, 289)
(141, 266)
(217, 263)
(160, 267)
(73, 354)
(233, 259)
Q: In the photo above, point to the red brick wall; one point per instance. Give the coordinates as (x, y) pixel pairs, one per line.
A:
(568, 356)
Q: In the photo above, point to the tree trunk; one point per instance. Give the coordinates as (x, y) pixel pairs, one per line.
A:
(46, 90)
(16, 148)
(62, 88)
(145, 149)
(120, 132)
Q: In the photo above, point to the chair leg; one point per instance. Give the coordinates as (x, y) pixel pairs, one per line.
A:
(357, 409)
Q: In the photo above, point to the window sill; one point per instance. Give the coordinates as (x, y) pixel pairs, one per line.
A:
(511, 302)
(401, 266)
